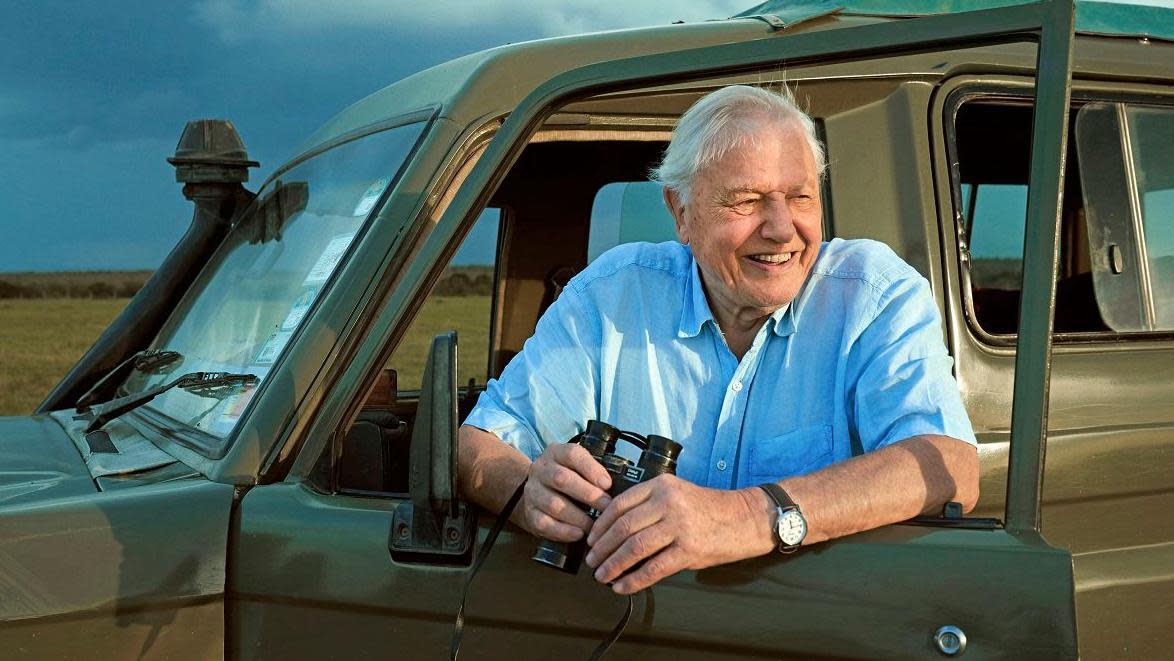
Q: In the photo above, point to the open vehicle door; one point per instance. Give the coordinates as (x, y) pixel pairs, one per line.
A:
(311, 571)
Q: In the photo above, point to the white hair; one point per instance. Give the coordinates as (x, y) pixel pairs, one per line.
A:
(722, 121)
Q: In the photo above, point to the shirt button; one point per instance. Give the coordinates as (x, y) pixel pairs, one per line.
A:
(721, 464)
(736, 386)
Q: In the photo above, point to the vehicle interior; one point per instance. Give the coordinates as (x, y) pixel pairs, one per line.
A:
(540, 222)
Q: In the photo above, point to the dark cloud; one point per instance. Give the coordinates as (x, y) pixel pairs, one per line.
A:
(93, 97)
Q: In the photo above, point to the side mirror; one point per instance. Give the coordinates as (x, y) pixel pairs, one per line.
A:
(434, 525)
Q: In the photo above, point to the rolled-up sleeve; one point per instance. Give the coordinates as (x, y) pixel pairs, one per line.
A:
(901, 371)
(548, 392)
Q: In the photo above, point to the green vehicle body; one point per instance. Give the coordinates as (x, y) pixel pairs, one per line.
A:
(257, 552)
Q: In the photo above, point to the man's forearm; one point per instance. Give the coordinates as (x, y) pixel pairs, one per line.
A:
(670, 525)
(896, 483)
(489, 470)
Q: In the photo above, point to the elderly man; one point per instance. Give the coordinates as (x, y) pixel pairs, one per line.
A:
(807, 381)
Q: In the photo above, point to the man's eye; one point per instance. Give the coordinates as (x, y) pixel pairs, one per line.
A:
(744, 205)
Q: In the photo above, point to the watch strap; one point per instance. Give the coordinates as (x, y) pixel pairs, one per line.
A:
(779, 495)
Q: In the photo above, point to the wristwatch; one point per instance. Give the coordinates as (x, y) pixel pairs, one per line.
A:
(790, 526)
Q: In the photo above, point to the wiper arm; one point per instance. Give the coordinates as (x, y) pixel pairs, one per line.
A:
(204, 384)
(146, 360)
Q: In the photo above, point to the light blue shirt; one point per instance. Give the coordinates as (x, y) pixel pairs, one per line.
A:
(856, 362)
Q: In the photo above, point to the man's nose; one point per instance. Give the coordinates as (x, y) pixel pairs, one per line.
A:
(777, 221)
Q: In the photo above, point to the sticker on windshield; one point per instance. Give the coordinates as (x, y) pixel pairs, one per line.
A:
(272, 348)
(374, 192)
(329, 259)
(234, 406)
(298, 310)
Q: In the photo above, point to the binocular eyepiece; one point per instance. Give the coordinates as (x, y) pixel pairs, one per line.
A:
(658, 456)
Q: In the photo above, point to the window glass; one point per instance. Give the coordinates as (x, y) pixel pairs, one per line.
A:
(1130, 210)
(1113, 240)
(462, 300)
(262, 283)
(1151, 132)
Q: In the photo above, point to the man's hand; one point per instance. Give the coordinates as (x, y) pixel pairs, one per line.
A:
(564, 475)
(674, 525)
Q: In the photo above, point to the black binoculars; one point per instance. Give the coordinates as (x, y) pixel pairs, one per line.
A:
(658, 456)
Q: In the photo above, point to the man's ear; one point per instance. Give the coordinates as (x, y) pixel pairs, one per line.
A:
(673, 202)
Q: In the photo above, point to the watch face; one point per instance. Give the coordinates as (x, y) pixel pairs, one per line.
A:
(792, 527)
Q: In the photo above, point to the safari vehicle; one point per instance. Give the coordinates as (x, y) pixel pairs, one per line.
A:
(1018, 156)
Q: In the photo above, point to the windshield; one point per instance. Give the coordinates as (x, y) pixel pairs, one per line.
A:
(260, 285)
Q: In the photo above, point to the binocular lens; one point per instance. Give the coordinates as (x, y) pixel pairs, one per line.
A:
(554, 554)
(599, 438)
(665, 447)
(661, 455)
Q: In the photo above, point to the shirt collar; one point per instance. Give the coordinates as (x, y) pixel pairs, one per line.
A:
(783, 320)
(695, 310)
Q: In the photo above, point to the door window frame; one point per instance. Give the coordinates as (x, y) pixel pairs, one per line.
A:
(1047, 24)
(994, 91)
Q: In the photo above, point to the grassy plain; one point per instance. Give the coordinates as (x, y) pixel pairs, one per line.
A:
(40, 339)
(468, 316)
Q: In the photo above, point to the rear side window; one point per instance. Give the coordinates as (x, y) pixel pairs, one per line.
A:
(1155, 175)
(1154, 164)
(1116, 263)
(1150, 139)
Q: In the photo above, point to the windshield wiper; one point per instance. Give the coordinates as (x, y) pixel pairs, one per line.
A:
(147, 360)
(204, 384)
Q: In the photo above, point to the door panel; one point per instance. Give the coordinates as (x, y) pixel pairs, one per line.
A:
(1108, 500)
(314, 579)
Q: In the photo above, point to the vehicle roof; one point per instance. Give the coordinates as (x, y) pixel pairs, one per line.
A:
(491, 82)
(1092, 17)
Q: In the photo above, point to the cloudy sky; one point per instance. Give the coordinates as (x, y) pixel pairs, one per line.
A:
(93, 96)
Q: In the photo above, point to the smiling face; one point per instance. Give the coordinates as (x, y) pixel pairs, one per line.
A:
(753, 222)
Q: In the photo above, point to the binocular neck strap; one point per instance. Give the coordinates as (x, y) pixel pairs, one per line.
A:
(459, 626)
(616, 632)
(498, 525)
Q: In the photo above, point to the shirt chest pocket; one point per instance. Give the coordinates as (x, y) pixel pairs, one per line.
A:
(797, 452)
